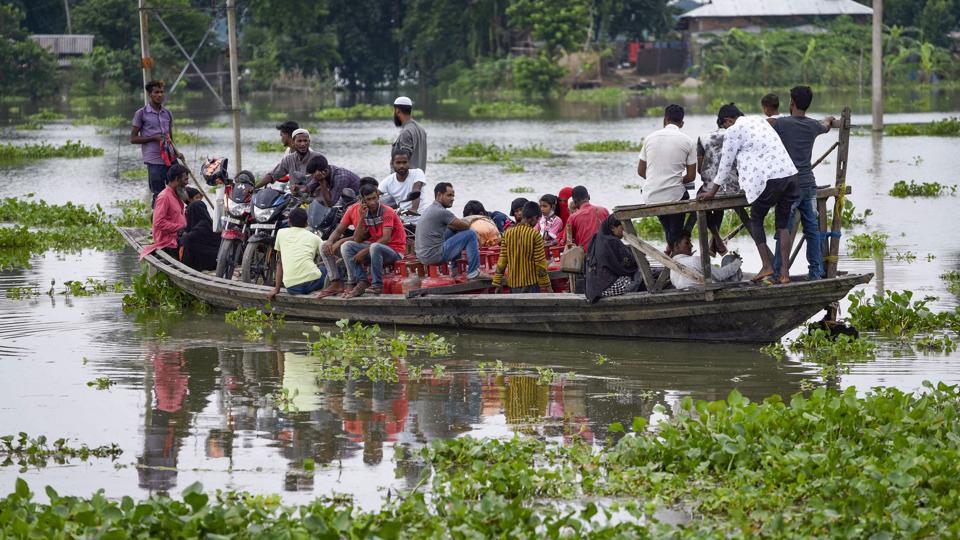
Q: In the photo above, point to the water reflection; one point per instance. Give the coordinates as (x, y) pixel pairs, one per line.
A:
(234, 402)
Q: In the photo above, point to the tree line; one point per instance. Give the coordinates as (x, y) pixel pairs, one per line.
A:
(458, 45)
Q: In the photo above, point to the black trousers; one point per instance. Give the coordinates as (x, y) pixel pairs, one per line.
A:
(780, 194)
(673, 224)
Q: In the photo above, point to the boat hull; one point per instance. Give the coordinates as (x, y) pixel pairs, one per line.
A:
(740, 313)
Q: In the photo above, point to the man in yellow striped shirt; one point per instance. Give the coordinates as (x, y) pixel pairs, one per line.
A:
(521, 250)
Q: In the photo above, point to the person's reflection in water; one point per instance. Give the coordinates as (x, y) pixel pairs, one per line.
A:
(180, 388)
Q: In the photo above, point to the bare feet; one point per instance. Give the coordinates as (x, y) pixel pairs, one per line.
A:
(784, 279)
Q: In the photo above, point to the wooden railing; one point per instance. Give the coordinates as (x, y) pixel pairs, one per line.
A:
(642, 250)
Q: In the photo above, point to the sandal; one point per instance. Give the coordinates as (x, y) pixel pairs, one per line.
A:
(357, 291)
(329, 292)
(375, 290)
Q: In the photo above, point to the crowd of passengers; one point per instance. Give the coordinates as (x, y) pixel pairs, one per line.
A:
(767, 158)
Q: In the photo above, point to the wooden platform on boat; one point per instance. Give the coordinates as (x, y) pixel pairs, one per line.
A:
(738, 312)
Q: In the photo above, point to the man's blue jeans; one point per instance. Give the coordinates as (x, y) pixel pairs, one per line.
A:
(807, 204)
(306, 287)
(455, 243)
(380, 255)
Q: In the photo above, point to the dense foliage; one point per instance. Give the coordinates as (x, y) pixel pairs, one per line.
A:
(839, 56)
(829, 463)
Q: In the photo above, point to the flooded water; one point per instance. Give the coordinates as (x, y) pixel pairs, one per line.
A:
(194, 400)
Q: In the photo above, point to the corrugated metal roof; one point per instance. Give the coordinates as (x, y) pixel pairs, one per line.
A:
(777, 8)
(61, 44)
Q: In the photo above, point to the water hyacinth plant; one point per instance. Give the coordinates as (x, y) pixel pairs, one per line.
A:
(361, 111)
(504, 110)
(13, 153)
(927, 189)
(608, 146)
(867, 245)
(478, 151)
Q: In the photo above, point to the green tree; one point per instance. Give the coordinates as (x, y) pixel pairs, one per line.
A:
(26, 69)
(937, 19)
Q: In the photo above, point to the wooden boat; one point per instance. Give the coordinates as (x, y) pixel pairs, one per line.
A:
(741, 313)
(725, 312)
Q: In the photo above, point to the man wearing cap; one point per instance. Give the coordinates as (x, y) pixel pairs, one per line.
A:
(286, 130)
(294, 162)
(412, 136)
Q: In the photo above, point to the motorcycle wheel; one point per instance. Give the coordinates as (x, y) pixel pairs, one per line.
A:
(255, 267)
(227, 258)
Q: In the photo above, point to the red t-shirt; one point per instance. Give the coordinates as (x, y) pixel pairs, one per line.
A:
(585, 223)
(389, 218)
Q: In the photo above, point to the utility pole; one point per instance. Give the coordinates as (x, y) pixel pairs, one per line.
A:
(234, 84)
(876, 65)
(146, 63)
(66, 8)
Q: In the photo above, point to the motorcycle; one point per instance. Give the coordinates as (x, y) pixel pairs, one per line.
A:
(270, 210)
(236, 223)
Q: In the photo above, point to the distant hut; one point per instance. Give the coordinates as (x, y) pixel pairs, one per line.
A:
(718, 16)
(66, 47)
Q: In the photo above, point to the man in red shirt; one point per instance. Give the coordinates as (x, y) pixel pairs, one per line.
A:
(168, 216)
(585, 222)
(379, 239)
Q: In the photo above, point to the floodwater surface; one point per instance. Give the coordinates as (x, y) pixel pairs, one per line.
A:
(196, 401)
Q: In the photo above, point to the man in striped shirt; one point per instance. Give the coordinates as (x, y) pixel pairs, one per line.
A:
(521, 250)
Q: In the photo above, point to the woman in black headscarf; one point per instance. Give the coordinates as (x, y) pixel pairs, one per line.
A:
(610, 265)
(200, 244)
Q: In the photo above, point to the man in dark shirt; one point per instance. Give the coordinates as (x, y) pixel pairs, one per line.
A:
(328, 181)
(798, 133)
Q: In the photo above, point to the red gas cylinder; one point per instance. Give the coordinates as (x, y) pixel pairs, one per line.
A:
(435, 279)
(410, 281)
(391, 281)
(553, 258)
(461, 270)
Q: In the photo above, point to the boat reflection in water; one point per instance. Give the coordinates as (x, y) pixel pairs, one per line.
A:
(265, 419)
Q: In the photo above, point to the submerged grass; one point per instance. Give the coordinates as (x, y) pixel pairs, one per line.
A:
(830, 463)
(478, 151)
(948, 127)
(361, 111)
(504, 110)
(608, 146)
(12, 153)
(926, 189)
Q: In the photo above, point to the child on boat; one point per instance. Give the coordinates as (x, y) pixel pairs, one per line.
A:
(550, 226)
(521, 252)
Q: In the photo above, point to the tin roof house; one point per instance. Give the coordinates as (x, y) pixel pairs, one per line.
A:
(65, 47)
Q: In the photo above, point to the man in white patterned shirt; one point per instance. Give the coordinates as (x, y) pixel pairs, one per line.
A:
(768, 178)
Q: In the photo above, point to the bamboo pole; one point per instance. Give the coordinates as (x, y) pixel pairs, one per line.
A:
(146, 63)
(876, 65)
(234, 84)
(842, 152)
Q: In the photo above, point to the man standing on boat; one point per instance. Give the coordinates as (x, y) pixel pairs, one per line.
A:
(412, 137)
(768, 178)
(152, 127)
(668, 160)
(798, 133)
(294, 163)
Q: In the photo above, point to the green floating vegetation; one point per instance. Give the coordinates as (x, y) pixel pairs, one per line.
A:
(29, 125)
(654, 111)
(361, 111)
(521, 189)
(11, 153)
(218, 124)
(138, 173)
(182, 138)
(504, 110)
(600, 96)
(867, 245)
(101, 383)
(953, 281)
(157, 292)
(45, 115)
(926, 189)
(478, 151)
(380, 141)
(513, 168)
(948, 127)
(897, 314)
(831, 463)
(254, 321)
(277, 116)
(608, 146)
(360, 350)
(25, 451)
(270, 147)
(103, 122)
(631, 186)
(650, 227)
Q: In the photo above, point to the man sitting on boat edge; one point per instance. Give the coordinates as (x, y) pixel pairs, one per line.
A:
(298, 249)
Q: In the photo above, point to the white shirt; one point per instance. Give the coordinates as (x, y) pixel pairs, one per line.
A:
(399, 190)
(667, 152)
(756, 149)
(723, 273)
